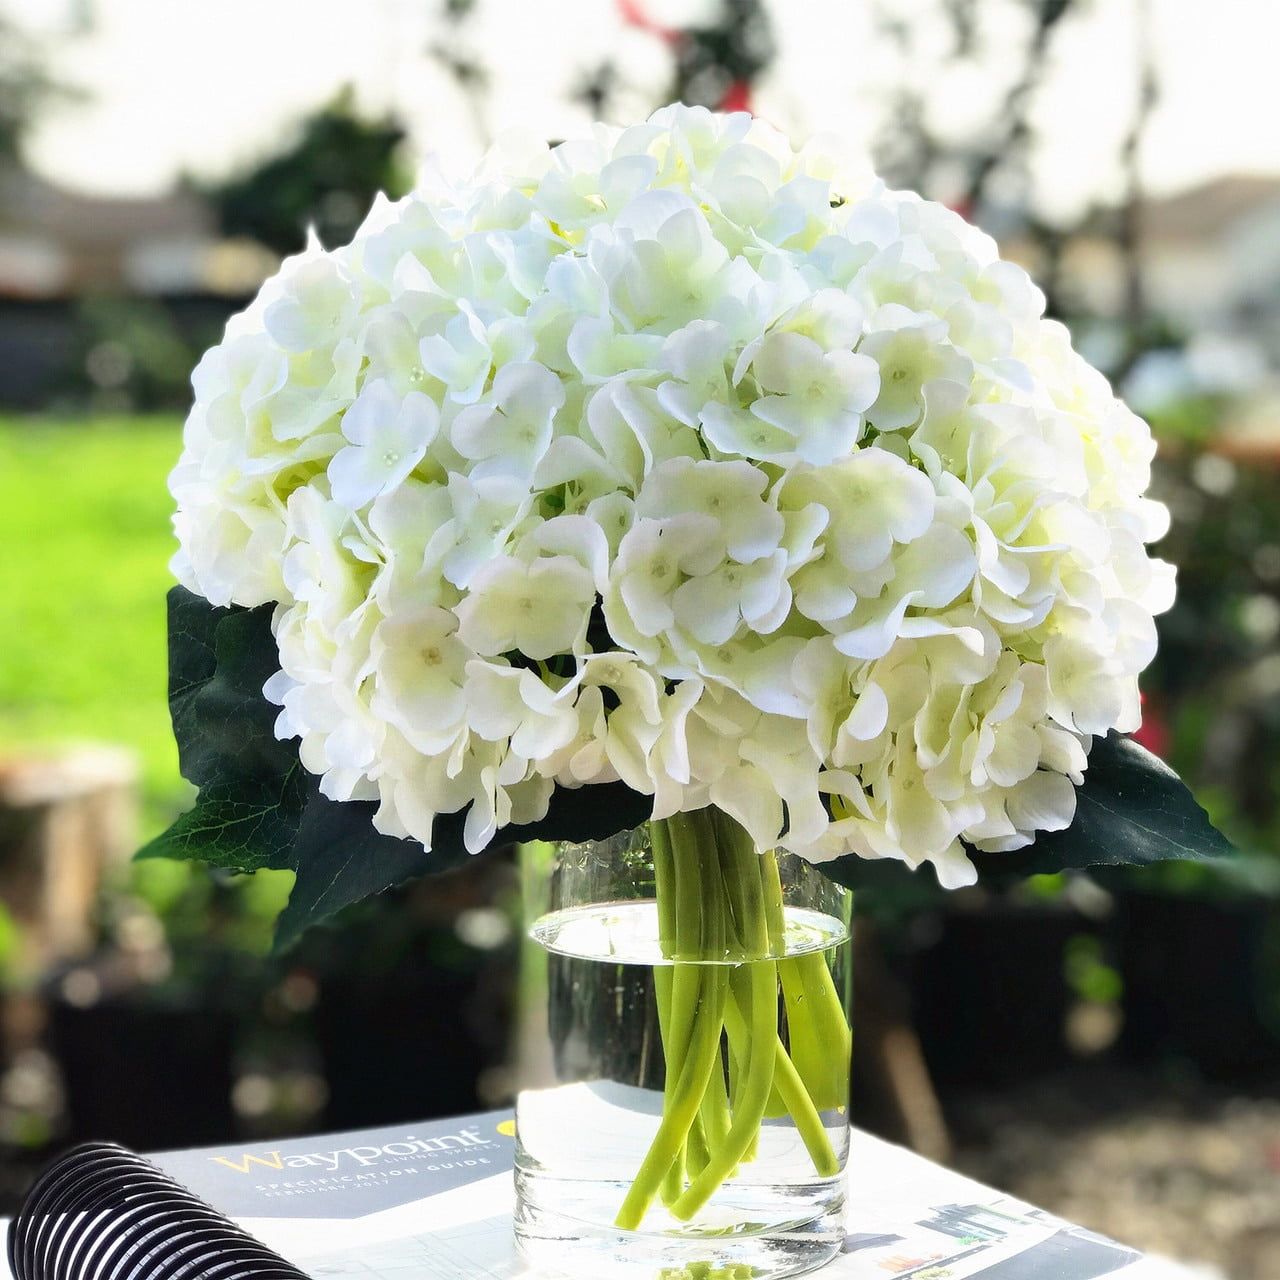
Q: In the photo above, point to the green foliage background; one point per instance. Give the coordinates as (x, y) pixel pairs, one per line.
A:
(326, 178)
(84, 520)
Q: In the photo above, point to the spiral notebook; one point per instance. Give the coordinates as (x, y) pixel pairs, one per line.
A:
(433, 1202)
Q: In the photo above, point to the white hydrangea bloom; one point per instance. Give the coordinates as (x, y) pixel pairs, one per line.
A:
(680, 457)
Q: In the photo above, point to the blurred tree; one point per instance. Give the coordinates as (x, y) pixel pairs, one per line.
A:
(1215, 682)
(981, 168)
(455, 52)
(914, 151)
(133, 354)
(25, 87)
(326, 178)
(716, 65)
(1129, 232)
(713, 65)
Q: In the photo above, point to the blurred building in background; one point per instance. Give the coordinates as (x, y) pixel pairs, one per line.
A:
(57, 243)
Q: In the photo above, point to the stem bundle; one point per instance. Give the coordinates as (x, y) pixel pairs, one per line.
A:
(722, 926)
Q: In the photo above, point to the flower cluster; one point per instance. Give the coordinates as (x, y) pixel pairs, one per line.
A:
(679, 456)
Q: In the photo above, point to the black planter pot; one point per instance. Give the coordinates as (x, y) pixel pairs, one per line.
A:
(401, 1047)
(144, 1071)
(409, 1016)
(1194, 981)
(989, 995)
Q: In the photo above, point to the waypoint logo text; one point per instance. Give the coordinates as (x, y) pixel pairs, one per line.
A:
(407, 1150)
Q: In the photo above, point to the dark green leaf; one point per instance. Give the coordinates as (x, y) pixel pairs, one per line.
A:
(242, 825)
(587, 813)
(258, 807)
(219, 659)
(340, 859)
(1132, 810)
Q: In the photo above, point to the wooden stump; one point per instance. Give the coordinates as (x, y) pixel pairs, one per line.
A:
(66, 817)
(889, 1063)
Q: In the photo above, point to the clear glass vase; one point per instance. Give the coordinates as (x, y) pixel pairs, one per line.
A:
(686, 1055)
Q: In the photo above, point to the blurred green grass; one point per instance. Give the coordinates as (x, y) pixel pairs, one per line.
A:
(84, 523)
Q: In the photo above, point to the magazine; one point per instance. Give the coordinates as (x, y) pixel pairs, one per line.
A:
(433, 1201)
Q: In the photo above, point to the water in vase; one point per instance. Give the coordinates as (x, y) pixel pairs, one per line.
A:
(586, 1132)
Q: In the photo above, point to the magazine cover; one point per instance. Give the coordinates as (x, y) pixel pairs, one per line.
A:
(434, 1201)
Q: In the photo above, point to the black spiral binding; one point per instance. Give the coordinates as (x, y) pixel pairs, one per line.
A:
(100, 1212)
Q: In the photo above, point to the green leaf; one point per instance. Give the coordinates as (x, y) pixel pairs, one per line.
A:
(258, 807)
(219, 659)
(586, 813)
(1131, 810)
(340, 859)
(240, 825)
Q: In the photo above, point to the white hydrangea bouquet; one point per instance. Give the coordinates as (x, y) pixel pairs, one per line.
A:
(674, 475)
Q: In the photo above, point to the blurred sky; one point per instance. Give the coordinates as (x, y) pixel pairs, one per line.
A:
(202, 84)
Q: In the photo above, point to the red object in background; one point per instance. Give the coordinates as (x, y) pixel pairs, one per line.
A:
(737, 97)
(1154, 732)
(633, 14)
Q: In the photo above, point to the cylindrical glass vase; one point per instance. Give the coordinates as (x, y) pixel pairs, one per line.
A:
(686, 1052)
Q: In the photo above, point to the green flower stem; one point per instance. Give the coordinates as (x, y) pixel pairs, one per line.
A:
(744, 898)
(775, 922)
(790, 1088)
(678, 1116)
(825, 1065)
(739, 1037)
(686, 930)
(714, 1112)
(696, 1155)
(664, 886)
(774, 917)
(736, 1037)
(665, 892)
(722, 926)
(686, 979)
(740, 868)
(756, 1084)
(744, 890)
(804, 1114)
(817, 1027)
(674, 1182)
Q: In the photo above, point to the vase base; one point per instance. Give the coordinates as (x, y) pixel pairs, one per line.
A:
(575, 1241)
